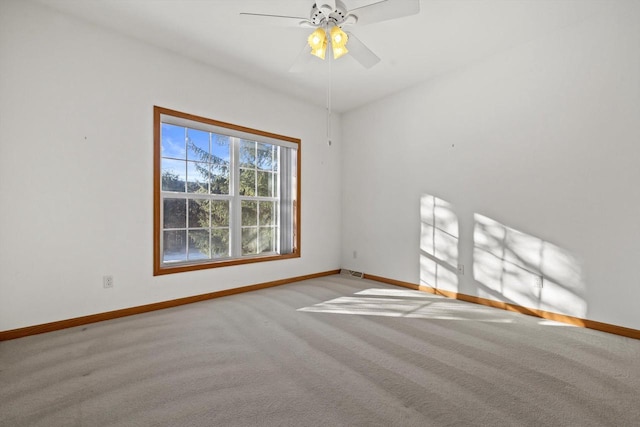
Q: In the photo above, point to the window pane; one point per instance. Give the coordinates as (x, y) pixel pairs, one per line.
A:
(267, 239)
(265, 184)
(264, 160)
(199, 213)
(249, 213)
(198, 145)
(198, 244)
(172, 143)
(267, 210)
(247, 153)
(249, 240)
(220, 162)
(220, 243)
(220, 149)
(276, 159)
(247, 182)
(175, 246)
(197, 177)
(219, 213)
(175, 213)
(219, 179)
(173, 175)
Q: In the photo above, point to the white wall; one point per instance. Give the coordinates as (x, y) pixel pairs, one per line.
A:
(76, 167)
(522, 165)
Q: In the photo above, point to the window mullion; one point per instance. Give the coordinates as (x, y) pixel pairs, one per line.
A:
(235, 218)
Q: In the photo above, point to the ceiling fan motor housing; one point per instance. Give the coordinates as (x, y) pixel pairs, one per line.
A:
(325, 14)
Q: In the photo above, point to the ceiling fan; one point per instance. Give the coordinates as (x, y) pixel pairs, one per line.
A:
(329, 17)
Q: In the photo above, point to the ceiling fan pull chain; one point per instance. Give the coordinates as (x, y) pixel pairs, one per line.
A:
(329, 103)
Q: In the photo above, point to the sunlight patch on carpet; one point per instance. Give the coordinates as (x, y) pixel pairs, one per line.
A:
(406, 303)
(546, 322)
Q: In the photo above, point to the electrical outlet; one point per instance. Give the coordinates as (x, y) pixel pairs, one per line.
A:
(460, 269)
(107, 281)
(538, 282)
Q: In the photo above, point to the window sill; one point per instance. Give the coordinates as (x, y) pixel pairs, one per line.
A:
(159, 270)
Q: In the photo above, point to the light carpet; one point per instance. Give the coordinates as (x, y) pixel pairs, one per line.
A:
(334, 351)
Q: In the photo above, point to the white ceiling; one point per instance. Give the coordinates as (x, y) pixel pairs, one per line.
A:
(444, 36)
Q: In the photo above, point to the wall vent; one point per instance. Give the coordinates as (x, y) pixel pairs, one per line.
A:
(357, 274)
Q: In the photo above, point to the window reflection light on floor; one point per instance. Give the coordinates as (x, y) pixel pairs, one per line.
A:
(554, 323)
(407, 303)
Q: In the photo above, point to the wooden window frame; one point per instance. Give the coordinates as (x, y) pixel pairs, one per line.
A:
(158, 267)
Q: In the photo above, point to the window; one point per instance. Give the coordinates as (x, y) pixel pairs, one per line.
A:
(223, 194)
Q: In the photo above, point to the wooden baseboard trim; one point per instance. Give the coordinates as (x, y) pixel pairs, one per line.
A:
(576, 321)
(99, 317)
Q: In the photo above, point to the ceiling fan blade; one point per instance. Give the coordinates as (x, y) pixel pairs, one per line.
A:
(301, 61)
(385, 10)
(282, 20)
(360, 52)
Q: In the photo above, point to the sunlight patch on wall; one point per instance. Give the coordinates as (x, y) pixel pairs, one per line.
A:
(522, 269)
(439, 237)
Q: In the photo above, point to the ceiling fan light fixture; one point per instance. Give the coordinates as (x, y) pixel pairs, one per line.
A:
(321, 51)
(318, 43)
(339, 51)
(339, 41)
(338, 37)
(317, 38)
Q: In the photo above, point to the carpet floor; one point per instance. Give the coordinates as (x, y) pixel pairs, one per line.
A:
(333, 351)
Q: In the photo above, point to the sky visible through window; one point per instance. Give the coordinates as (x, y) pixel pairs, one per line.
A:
(175, 149)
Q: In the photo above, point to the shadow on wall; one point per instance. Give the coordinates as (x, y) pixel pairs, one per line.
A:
(508, 265)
